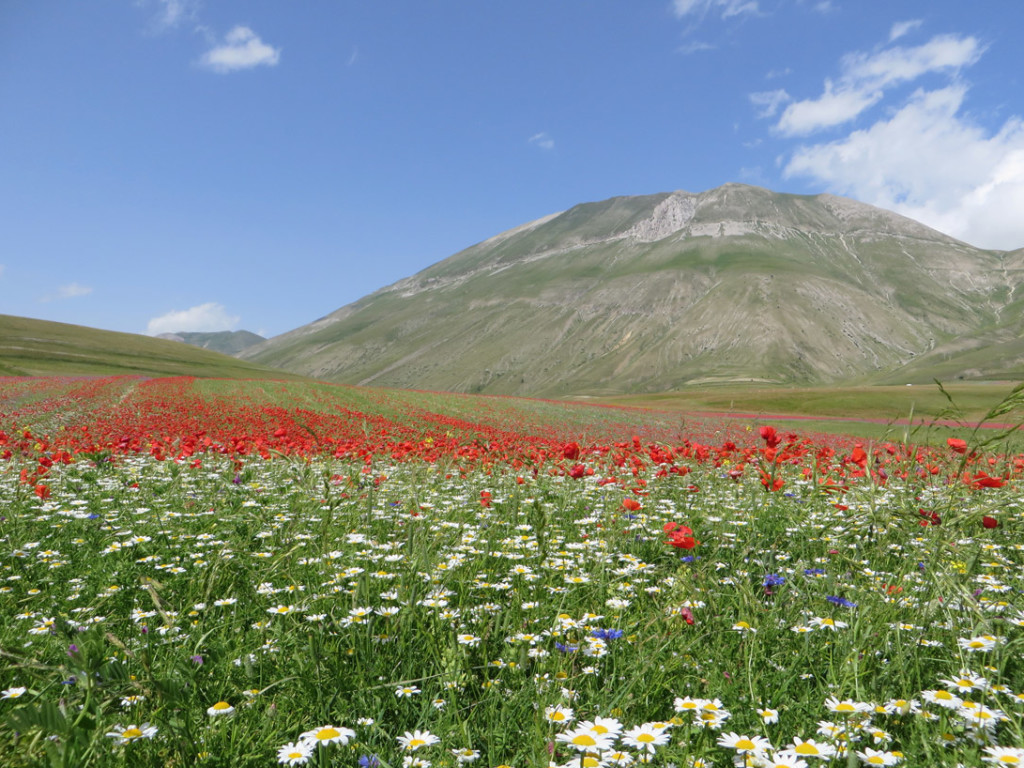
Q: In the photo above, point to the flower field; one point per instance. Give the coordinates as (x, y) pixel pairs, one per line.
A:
(247, 573)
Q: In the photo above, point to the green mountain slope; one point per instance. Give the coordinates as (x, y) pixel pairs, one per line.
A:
(42, 348)
(652, 293)
(225, 342)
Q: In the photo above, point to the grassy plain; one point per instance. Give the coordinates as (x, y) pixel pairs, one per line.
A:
(919, 413)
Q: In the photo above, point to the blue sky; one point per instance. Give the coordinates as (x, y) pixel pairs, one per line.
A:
(225, 164)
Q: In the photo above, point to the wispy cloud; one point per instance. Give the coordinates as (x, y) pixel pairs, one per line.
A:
(542, 140)
(695, 46)
(865, 77)
(170, 13)
(769, 102)
(67, 291)
(930, 162)
(925, 157)
(242, 49)
(725, 8)
(203, 317)
(901, 28)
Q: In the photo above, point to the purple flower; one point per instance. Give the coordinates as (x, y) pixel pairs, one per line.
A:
(835, 600)
(197, 660)
(774, 580)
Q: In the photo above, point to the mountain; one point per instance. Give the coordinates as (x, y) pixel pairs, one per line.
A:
(225, 342)
(43, 348)
(652, 293)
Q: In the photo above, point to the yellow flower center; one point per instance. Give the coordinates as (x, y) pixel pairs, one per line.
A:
(584, 740)
(325, 734)
(745, 744)
(221, 705)
(645, 737)
(131, 733)
(807, 749)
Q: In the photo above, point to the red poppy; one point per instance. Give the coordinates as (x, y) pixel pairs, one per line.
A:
(989, 522)
(984, 480)
(680, 536)
(631, 505)
(958, 445)
(770, 436)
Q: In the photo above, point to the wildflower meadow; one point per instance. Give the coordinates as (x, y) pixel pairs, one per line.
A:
(255, 573)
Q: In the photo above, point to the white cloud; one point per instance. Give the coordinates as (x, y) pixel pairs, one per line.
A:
(173, 12)
(71, 290)
(899, 64)
(831, 108)
(865, 78)
(170, 13)
(542, 140)
(242, 49)
(727, 8)
(769, 101)
(931, 163)
(204, 317)
(901, 28)
(67, 291)
(695, 47)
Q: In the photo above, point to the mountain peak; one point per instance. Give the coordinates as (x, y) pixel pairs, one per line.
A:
(652, 292)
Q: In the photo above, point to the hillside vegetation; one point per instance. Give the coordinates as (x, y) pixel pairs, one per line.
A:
(657, 293)
(31, 347)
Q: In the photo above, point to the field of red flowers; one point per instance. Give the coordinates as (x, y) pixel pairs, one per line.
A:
(185, 418)
(451, 579)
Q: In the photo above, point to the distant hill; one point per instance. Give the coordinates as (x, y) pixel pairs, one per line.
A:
(226, 342)
(653, 293)
(42, 348)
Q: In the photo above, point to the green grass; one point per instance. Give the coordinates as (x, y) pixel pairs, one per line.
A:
(41, 348)
(312, 558)
(877, 404)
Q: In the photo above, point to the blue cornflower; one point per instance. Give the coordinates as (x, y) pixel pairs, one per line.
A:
(814, 571)
(688, 558)
(607, 634)
(369, 761)
(774, 580)
(836, 600)
(567, 648)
